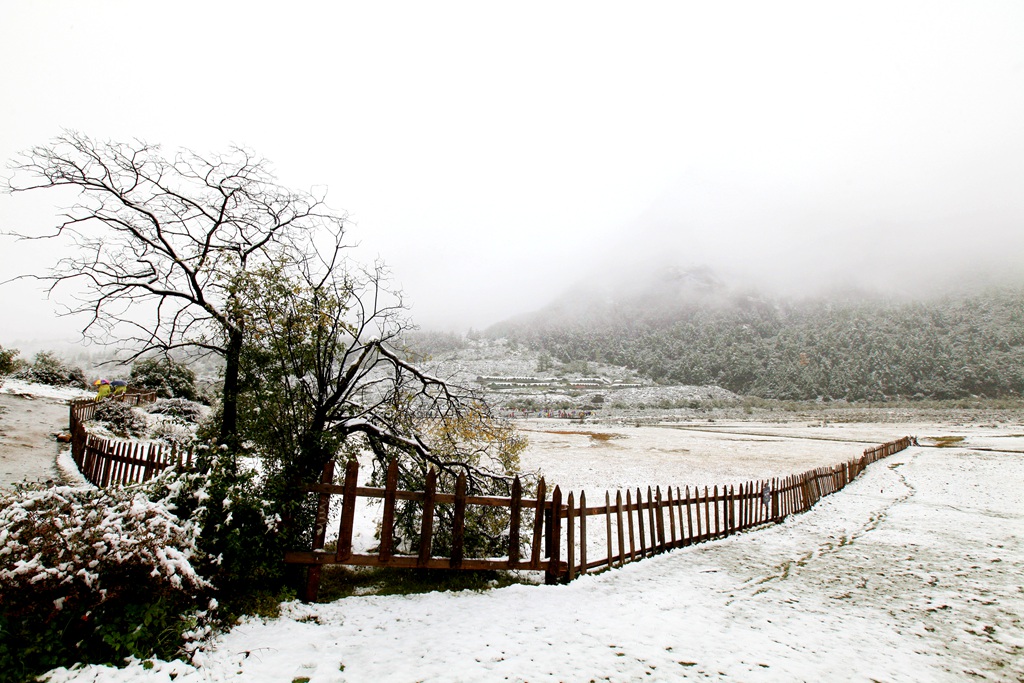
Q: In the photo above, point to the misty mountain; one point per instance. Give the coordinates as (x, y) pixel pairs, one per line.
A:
(679, 326)
(641, 299)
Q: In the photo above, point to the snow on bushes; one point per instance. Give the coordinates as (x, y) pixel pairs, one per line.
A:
(189, 412)
(121, 419)
(73, 543)
(90, 575)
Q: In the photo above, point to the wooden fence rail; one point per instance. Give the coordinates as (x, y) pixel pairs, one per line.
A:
(106, 462)
(631, 528)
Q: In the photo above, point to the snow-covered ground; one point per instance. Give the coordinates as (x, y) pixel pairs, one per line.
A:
(912, 573)
(17, 387)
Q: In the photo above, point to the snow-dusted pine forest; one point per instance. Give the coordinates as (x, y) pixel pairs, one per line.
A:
(853, 347)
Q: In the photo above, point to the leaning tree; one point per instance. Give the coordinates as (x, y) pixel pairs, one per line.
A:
(328, 377)
(160, 242)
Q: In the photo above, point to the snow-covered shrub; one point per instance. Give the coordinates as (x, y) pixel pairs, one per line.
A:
(187, 411)
(8, 361)
(167, 377)
(230, 508)
(121, 419)
(172, 432)
(89, 575)
(47, 368)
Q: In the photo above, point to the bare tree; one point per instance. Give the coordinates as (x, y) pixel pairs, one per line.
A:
(160, 242)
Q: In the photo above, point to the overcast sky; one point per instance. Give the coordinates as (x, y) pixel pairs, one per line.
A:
(494, 155)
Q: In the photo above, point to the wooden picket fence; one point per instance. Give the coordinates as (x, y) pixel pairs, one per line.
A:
(543, 523)
(626, 529)
(107, 462)
(634, 528)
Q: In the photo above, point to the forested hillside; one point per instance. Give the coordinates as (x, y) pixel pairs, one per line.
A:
(854, 348)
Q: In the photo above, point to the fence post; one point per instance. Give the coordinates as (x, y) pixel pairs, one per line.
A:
(555, 554)
(459, 523)
(348, 512)
(538, 525)
(583, 532)
(387, 524)
(427, 520)
(570, 537)
(515, 516)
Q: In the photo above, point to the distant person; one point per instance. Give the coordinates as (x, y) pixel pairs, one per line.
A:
(102, 389)
(120, 387)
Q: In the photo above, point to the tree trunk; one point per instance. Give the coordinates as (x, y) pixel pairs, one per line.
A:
(229, 418)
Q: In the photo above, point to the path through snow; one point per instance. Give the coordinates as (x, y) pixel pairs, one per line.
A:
(30, 415)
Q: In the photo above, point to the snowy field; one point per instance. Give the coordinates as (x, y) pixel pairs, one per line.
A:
(911, 573)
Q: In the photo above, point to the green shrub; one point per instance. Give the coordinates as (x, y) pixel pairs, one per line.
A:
(166, 376)
(237, 526)
(8, 361)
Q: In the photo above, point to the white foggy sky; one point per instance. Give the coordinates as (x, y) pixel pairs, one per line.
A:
(493, 155)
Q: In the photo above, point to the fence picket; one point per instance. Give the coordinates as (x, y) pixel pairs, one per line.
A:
(583, 532)
(515, 516)
(348, 512)
(387, 524)
(689, 517)
(426, 520)
(570, 535)
(608, 526)
(459, 522)
(538, 525)
(707, 513)
(655, 538)
(671, 518)
(629, 523)
(640, 523)
(619, 529)
(323, 514)
(660, 519)
(717, 528)
(551, 576)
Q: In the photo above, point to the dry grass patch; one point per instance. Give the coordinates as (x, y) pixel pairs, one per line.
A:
(946, 441)
(601, 437)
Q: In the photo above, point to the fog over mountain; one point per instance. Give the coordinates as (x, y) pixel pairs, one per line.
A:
(493, 158)
(690, 326)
